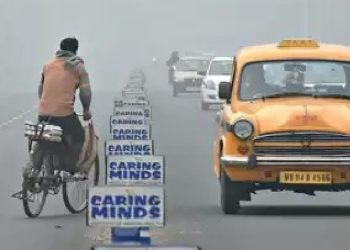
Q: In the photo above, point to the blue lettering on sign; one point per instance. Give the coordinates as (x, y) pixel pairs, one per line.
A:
(135, 171)
(135, 165)
(129, 149)
(130, 134)
(129, 131)
(125, 207)
(130, 137)
(127, 122)
(134, 175)
(99, 212)
(129, 113)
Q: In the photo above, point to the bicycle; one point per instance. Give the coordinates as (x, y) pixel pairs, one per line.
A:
(51, 175)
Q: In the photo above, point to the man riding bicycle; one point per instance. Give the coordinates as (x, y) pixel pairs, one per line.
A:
(61, 77)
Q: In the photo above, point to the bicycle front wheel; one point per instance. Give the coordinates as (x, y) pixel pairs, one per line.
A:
(75, 192)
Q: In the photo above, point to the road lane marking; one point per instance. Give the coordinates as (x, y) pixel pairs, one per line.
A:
(17, 117)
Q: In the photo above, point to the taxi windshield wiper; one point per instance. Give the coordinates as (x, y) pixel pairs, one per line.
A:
(286, 94)
(340, 96)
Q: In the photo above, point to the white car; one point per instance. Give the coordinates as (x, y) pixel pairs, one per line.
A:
(219, 70)
(186, 77)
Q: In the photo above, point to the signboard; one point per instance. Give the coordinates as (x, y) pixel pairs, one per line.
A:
(134, 94)
(126, 206)
(144, 248)
(135, 170)
(134, 88)
(131, 132)
(129, 112)
(122, 102)
(127, 120)
(147, 110)
(129, 147)
(136, 81)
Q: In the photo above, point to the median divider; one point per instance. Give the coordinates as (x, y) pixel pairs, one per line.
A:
(132, 200)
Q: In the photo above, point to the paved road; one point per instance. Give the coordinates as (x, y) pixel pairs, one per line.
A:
(271, 222)
(56, 229)
(184, 134)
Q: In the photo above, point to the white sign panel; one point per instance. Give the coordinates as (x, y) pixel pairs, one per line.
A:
(147, 110)
(130, 147)
(134, 94)
(135, 88)
(136, 81)
(135, 170)
(130, 112)
(126, 206)
(131, 132)
(122, 102)
(127, 120)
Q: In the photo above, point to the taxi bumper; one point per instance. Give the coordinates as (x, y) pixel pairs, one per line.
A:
(256, 160)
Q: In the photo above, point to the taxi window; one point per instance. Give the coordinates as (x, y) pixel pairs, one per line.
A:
(286, 78)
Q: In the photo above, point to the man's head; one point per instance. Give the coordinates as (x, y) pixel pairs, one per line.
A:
(70, 44)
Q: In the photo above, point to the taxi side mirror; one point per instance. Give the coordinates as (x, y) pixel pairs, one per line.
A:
(225, 90)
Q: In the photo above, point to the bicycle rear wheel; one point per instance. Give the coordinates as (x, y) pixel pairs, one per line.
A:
(75, 192)
(34, 190)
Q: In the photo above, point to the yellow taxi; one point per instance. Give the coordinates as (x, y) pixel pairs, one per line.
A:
(285, 124)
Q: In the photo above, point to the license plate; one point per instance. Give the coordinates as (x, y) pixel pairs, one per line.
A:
(292, 177)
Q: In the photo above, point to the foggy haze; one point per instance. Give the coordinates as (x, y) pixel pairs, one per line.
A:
(117, 35)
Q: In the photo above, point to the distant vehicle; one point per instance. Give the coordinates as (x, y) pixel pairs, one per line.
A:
(219, 70)
(186, 77)
(285, 122)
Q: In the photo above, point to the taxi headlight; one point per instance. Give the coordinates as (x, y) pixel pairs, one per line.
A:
(243, 129)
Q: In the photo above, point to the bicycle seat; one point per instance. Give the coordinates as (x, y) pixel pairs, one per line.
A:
(43, 131)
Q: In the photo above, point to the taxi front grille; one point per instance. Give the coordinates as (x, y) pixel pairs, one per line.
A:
(302, 143)
(301, 151)
(303, 136)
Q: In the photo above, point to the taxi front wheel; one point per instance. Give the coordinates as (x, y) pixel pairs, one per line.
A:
(230, 194)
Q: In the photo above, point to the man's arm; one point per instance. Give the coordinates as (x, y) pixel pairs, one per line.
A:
(85, 93)
(40, 88)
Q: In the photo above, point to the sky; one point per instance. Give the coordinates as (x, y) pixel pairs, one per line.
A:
(117, 35)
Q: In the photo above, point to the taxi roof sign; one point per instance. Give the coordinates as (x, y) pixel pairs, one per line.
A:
(298, 43)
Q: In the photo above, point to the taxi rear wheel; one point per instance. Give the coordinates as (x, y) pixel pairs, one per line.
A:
(230, 202)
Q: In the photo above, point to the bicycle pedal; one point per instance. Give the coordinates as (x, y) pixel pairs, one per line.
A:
(19, 195)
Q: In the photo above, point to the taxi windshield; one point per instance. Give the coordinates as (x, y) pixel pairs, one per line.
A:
(221, 67)
(277, 79)
(192, 65)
